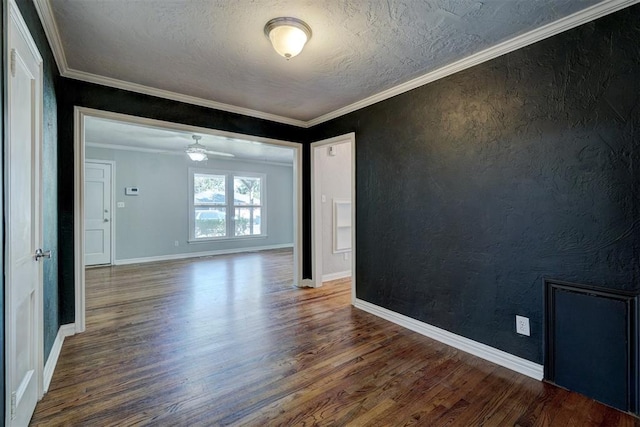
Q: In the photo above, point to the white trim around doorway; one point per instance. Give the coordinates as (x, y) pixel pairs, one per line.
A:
(316, 226)
(80, 113)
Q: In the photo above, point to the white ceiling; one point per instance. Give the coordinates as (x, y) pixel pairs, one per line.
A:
(104, 133)
(216, 51)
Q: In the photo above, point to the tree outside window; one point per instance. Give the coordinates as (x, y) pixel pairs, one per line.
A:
(214, 215)
(247, 204)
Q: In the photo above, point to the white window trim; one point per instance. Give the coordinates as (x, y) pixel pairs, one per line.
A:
(230, 206)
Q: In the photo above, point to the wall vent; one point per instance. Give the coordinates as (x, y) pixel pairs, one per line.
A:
(591, 342)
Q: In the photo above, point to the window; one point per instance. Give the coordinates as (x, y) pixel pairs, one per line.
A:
(246, 202)
(225, 205)
(210, 205)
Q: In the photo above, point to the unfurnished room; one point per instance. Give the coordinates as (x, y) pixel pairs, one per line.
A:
(277, 212)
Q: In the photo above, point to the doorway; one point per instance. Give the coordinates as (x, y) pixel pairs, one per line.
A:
(333, 209)
(133, 201)
(99, 245)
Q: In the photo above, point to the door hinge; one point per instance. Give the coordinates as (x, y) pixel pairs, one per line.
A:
(13, 405)
(12, 62)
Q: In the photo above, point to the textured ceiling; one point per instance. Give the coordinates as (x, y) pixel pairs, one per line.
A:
(116, 135)
(216, 50)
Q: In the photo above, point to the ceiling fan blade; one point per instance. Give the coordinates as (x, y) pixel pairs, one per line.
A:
(219, 153)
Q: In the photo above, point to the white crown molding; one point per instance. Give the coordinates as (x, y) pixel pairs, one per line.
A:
(45, 13)
(499, 357)
(563, 24)
(43, 7)
(187, 99)
(591, 13)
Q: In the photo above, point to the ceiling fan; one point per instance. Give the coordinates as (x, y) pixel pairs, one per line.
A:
(198, 152)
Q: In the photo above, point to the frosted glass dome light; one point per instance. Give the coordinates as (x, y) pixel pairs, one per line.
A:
(288, 35)
(195, 151)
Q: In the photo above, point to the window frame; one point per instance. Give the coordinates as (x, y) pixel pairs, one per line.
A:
(233, 206)
(230, 206)
(194, 206)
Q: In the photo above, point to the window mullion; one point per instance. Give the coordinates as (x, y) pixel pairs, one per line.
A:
(231, 223)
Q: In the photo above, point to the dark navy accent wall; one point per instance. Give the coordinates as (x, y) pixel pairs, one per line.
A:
(76, 93)
(49, 174)
(472, 189)
(306, 212)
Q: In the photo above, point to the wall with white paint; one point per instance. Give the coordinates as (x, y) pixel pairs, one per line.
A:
(151, 223)
(334, 184)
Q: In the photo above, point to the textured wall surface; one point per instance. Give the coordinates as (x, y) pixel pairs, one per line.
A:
(149, 223)
(49, 176)
(75, 93)
(520, 168)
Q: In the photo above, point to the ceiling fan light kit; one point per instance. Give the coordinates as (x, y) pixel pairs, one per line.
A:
(195, 151)
(287, 35)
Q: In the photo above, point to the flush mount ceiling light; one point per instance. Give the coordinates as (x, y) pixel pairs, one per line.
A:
(288, 35)
(195, 151)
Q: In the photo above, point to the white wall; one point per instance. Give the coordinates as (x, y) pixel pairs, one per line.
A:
(335, 183)
(151, 222)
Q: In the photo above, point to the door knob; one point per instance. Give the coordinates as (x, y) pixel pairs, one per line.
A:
(42, 254)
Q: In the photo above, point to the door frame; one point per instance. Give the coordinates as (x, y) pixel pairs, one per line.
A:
(112, 205)
(316, 206)
(80, 113)
(15, 15)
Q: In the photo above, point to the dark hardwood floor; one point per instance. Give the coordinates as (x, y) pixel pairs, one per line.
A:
(228, 341)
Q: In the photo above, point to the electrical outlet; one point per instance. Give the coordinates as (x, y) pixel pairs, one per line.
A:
(176, 243)
(346, 256)
(522, 325)
(121, 204)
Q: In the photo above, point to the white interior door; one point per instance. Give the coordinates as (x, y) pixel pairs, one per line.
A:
(22, 186)
(97, 213)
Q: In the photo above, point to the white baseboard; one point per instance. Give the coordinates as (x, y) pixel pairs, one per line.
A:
(336, 276)
(483, 351)
(63, 332)
(307, 283)
(199, 254)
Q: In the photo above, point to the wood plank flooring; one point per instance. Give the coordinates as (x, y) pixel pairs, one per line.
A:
(227, 340)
